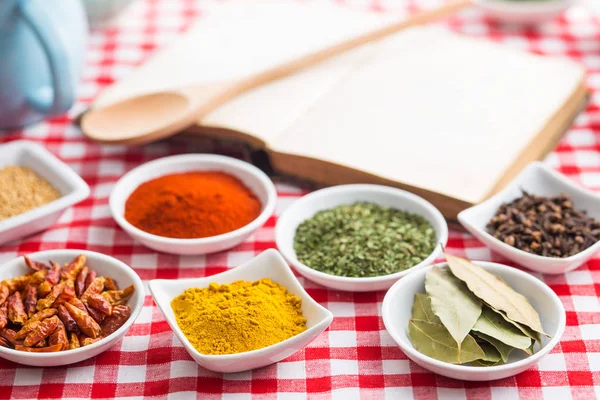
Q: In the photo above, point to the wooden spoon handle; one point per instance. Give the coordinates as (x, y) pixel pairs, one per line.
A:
(282, 70)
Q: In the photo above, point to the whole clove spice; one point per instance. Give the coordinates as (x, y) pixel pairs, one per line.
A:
(546, 226)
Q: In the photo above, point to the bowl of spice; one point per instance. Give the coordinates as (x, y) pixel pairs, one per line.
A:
(541, 220)
(193, 203)
(59, 307)
(36, 189)
(475, 321)
(245, 318)
(360, 237)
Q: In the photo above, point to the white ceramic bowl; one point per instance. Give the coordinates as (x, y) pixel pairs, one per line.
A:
(524, 11)
(397, 308)
(268, 264)
(252, 177)
(540, 179)
(334, 196)
(72, 188)
(104, 265)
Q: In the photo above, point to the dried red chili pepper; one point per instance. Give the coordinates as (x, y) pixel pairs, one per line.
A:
(66, 294)
(67, 320)
(49, 349)
(70, 272)
(119, 316)
(80, 281)
(4, 293)
(59, 336)
(16, 309)
(27, 329)
(37, 277)
(41, 315)
(31, 298)
(110, 283)
(78, 303)
(53, 275)
(74, 341)
(4, 342)
(35, 265)
(88, 340)
(42, 331)
(96, 315)
(47, 301)
(3, 315)
(90, 278)
(95, 287)
(85, 323)
(99, 303)
(10, 335)
(16, 284)
(44, 288)
(116, 297)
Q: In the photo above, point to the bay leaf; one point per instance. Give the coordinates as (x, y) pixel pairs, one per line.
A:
(482, 363)
(495, 292)
(421, 309)
(435, 341)
(502, 348)
(491, 353)
(452, 302)
(494, 325)
(536, 336)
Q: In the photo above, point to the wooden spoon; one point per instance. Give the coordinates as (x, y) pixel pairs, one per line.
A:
(154, 116)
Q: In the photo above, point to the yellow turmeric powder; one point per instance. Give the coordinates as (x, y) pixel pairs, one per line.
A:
(238, 317)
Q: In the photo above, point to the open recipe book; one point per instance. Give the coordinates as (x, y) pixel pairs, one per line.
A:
(448, 117)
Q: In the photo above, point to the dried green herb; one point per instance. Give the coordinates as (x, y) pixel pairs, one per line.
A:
(363, 239)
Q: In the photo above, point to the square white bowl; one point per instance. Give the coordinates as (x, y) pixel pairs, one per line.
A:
(539, 179)
(73, 189)
(397, 308)
(268, 264)
(105, 265)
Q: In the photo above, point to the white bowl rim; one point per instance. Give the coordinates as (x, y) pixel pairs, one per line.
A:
(463, 216)
(252, 353)
(525, 6)
(137, 283)
(264, 180)
(363, 188)
(530, 360)
(80, 192)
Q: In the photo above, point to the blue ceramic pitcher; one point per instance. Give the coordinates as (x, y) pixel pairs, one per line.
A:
(42, 47)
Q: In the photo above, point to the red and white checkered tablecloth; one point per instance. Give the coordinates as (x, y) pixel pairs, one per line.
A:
(355, 358)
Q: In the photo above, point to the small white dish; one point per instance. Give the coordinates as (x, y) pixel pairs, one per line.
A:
(524, 11)
(249, 175)
(397, 309)
(334, 196)
(268, 264)
(105, 266)
(73, 189)
(540, 179)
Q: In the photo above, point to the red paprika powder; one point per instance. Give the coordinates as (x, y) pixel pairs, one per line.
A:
(192, 205)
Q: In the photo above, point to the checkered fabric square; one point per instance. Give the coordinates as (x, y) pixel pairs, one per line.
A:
(355, 358)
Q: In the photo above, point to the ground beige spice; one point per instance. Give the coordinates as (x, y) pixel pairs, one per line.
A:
(21, 189)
